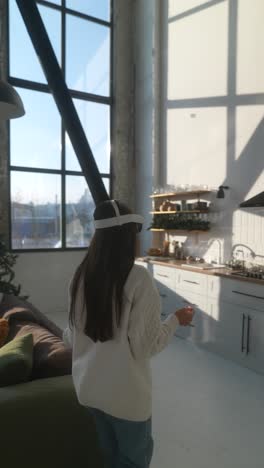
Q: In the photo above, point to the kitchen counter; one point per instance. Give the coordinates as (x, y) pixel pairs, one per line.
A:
(222, 272)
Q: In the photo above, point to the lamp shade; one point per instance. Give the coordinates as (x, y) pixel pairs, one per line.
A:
(11, 105)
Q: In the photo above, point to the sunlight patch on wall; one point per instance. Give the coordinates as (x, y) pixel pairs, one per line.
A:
(196, 146)
(197, 54)
(250, 55)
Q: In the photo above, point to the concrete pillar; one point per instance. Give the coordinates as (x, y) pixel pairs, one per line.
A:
(123, 115)
(147, 115)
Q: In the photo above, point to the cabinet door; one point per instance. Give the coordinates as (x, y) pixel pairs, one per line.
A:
(254, 341)
(248, 295)
(164, 276)
(197, 333)
(193, 282)
(226, 329)
(165, 282)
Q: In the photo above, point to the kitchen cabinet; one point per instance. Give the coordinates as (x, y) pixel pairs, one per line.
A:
(190, 281)
(164, 276)
(229, 314)
(248, 295)
(198, 333)
(179, 288)
(254, 340)
(237, 333)
(167, 302)
(165, 282)
(226, 328)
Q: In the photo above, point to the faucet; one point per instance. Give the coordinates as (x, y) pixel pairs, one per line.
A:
(243, 258)
(242, 251)
(219, 246)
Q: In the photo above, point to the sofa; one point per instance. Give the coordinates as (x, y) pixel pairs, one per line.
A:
(42, 424)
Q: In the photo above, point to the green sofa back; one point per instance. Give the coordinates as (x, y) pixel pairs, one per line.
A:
(43, 426)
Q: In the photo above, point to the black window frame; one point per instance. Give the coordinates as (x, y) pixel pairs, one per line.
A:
(75, 94)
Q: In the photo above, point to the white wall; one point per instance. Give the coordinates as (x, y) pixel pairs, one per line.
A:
(212, 111)
(45, 278)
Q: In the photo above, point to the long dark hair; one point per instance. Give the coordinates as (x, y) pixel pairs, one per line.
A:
(103, 273)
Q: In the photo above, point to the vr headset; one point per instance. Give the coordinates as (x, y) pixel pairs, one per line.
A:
(119, 219)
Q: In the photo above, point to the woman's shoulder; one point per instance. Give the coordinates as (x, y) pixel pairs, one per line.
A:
(138, 277)
(139, 271)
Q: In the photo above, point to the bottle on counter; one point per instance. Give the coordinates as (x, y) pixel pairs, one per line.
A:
(166, 245)
(180, 251)
(176, 249)
(171, 249)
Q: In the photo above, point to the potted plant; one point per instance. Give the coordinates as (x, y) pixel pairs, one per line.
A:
(7, 274)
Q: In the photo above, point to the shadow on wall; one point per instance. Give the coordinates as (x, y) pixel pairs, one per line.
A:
(244, 156)
(239, 105)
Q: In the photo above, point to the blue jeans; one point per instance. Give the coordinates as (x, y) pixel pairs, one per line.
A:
(124, 444)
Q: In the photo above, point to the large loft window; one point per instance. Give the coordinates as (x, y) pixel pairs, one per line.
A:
(50, 203)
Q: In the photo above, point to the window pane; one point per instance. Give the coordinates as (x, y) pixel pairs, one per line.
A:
(35, 139)
(99, 9)
(79, 211)
(35, 210)
(87, 56)
(24, 62)
(95, 119)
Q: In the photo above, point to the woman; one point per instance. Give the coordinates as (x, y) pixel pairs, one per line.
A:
(115, 329)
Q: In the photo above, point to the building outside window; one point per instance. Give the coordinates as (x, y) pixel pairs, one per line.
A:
(51, 205)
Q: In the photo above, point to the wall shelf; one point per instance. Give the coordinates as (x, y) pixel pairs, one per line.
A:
(180, 194)
(185, 222)
(194, 231)
(179, 212)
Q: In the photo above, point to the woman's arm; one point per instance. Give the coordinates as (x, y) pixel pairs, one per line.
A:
(147, 334)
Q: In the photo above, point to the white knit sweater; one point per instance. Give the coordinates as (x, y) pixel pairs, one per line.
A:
(115, 376)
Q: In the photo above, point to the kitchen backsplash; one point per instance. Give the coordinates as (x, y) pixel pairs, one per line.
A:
(233, 231)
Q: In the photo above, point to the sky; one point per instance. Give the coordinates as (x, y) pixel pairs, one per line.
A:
(35, 138)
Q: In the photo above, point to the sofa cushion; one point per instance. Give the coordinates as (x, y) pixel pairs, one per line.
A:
(4, 330)
(16, 358)
(12, 306)
(50, 356)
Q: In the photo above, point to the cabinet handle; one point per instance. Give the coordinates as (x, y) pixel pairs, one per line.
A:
(243, 333)
(249, 295)
(248, 332)
(192, 282)
(163, 295)
(163, 276)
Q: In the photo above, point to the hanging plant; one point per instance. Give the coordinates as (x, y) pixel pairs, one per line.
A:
(179, 221)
